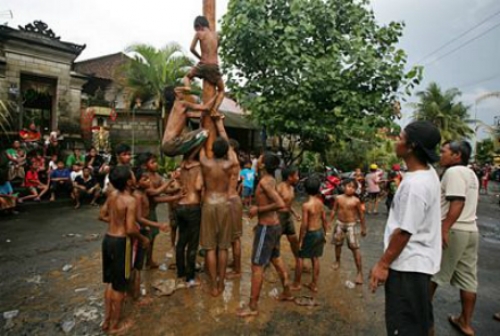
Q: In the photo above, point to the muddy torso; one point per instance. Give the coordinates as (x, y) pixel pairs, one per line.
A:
(156, 182)
(315, 209)
(287, 195)
(191, 181)
(118, 204)
(209, 43)
(233, 180)
(176, 121)
(262, 199)
(347, 208)
(216, 180)
(141, 195)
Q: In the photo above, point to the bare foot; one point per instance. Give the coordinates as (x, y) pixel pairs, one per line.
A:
(336, 265)
(37, 199)
(105, 325)
(456, 322)
(233, 275)
(77, 206)
(312, 287)
(359, 279)
(285, 297)
(214, 292)
(153, 265)
(144, 301)
(295, 287)
(119, 329)
(52, 199)
(246, 312)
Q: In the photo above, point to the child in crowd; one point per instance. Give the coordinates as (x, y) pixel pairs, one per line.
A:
(312, 234)
(53, 163)
(86, 186)
(60, 181)
(120, 212)
(143, 183)
(7, 196)
(76, 171)
(392, 187)
(32, 182)
(248, 176)
(348, 210)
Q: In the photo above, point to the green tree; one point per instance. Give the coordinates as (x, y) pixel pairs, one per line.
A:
(445, 111)
(314, 69)
(485, 150)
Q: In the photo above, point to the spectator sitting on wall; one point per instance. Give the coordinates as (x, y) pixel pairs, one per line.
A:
(7, 196)
(60, 181)
(76, 157)
(17, 160)
(35, 187)
(86, 186)
(94, 161)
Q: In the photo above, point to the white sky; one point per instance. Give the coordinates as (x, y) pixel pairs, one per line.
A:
(109, 26)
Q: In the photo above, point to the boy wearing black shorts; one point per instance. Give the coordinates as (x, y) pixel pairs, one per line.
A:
(119, 211)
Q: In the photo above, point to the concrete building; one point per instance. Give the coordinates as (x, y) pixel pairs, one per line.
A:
(37, 77)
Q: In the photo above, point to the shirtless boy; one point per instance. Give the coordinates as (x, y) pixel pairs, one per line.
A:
(312, 233)
(208, 67)
(158, 186)
(188, 219)
(120, 212)
(287, 193)
(266, 244)
(216, 230)
(142, 214)
(174, 142)
(236, 210)
(348, 209)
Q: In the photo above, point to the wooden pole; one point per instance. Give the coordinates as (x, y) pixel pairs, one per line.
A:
(208, 89)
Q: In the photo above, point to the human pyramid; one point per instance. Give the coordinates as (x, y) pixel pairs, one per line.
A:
(207, 207)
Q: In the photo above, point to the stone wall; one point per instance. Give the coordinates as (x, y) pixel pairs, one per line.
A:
(144, 128)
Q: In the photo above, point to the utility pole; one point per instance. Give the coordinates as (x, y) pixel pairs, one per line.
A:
(208, 88)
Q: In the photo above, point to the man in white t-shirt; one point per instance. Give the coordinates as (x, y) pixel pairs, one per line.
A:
(459, 197)
(412, 237)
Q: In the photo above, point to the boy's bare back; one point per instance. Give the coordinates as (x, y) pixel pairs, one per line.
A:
(314, 213)
(209, 43)
(118, 211)
(348, 208)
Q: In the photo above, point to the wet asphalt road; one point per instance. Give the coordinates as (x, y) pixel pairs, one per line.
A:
(43, 239)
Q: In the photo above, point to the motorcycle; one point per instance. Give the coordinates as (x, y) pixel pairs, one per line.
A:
(330, 187)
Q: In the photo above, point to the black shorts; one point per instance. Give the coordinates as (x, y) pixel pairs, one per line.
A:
(408, 306)
(266, 244)
(140, 253)
(286, 222)
(313, 245)
(116, 259)
(373, 196)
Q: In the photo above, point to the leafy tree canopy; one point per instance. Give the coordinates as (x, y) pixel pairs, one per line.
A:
(319, 69)
(443, 109)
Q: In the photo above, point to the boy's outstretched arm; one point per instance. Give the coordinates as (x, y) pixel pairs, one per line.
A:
(104, 213)
(194, 43)
(143, 220)
(361, 216)
(303, 225)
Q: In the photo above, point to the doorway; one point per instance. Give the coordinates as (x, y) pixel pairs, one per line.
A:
(38, 100)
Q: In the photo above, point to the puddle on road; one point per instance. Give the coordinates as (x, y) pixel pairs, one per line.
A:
(46, 305)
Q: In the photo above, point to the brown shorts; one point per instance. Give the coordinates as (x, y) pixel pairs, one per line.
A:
(216, 229)
(210, 72)
(236, 216)
(185, 143)
(343, 231)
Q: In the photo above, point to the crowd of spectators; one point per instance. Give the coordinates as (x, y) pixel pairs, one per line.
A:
(39, 173)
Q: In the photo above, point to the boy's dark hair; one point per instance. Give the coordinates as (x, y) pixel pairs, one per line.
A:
(122, 148)
(234, 144)
(289, 171)
(460, 147)
(271, 163)
(201, 21)
(143, 158)
(119, 177)
(139, 172)
(312, 185)
(60, 161)
(168, 97)
(220, 147)
(350, 181)
(84, 168)
(79, 164)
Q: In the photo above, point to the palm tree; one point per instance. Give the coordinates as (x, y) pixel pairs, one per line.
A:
(442, 109)
(150, 70)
